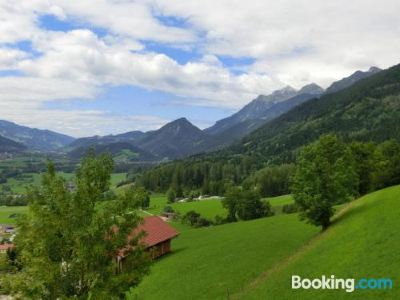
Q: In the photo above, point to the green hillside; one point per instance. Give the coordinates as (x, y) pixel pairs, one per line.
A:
(256, 259)
(368, 110)
(209, 263)
(362, 243)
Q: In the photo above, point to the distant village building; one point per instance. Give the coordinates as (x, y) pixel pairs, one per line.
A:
(5, 228)
(5, 247)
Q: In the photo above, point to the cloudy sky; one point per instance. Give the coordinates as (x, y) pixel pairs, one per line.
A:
(108, 66)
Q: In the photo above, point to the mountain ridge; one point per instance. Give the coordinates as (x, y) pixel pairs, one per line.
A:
(10, 146)
(33, 138)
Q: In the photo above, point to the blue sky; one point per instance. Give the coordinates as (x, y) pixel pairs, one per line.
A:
(125, 100)
(84, 69)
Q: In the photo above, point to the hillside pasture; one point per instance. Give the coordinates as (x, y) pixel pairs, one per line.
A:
(256, 259)
(215, 262)
(362, 243)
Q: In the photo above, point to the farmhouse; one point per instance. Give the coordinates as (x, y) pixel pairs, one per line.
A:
(157, 238)
(158, 235)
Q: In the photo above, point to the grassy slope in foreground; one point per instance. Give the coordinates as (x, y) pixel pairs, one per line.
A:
(206, 263)
(363, 243)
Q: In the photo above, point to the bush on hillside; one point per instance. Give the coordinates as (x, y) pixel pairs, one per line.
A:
(171, 196)
(194, 219)
(290, 208)
(245, 205)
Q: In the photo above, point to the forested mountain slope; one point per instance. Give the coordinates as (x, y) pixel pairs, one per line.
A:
(7, 145)
(368, 110)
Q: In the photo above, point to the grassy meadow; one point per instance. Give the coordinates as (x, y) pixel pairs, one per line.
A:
(256, 259)
(18, 185)
(280, 200)
(207, 208)
(210, 263)
(363, 242)
(7, 213)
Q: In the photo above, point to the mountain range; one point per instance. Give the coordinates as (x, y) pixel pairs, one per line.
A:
(34, 139)
(179, 138)
(368, 110)
(10, 146)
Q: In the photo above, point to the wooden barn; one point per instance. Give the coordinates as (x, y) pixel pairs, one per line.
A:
(158, 235)
(157, 238)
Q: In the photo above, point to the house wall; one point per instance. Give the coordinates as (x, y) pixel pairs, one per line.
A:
(160, 249)
(155, 252)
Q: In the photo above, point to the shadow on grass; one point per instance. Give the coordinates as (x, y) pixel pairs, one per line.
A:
(172, 253)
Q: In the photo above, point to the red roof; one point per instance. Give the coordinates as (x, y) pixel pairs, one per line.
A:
(156, 230)
(6, 246)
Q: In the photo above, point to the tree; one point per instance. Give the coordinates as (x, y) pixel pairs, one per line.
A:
(69, 242)
(250, 206)
(230, 202)
(168, 209)
(138, 196)
(324, 176)
(171, 196)
(271, 181)
(191, 218)
(245, 205)
(387, 170)
(194, 219)
(365, 165)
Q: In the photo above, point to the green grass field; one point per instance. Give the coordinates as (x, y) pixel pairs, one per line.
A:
(207, 208)
(209, 263)
(280, 200)
(20, 184)
(363, 242)
(7, 211)
(256, 259)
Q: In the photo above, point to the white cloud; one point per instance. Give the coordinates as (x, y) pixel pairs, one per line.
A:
(291, 42)
(298, 41)
(22, 100)
(82, 123)
(80, 55)
(10, 57)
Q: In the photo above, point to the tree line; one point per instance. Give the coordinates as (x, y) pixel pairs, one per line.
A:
(330, 172)
(215, 177)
